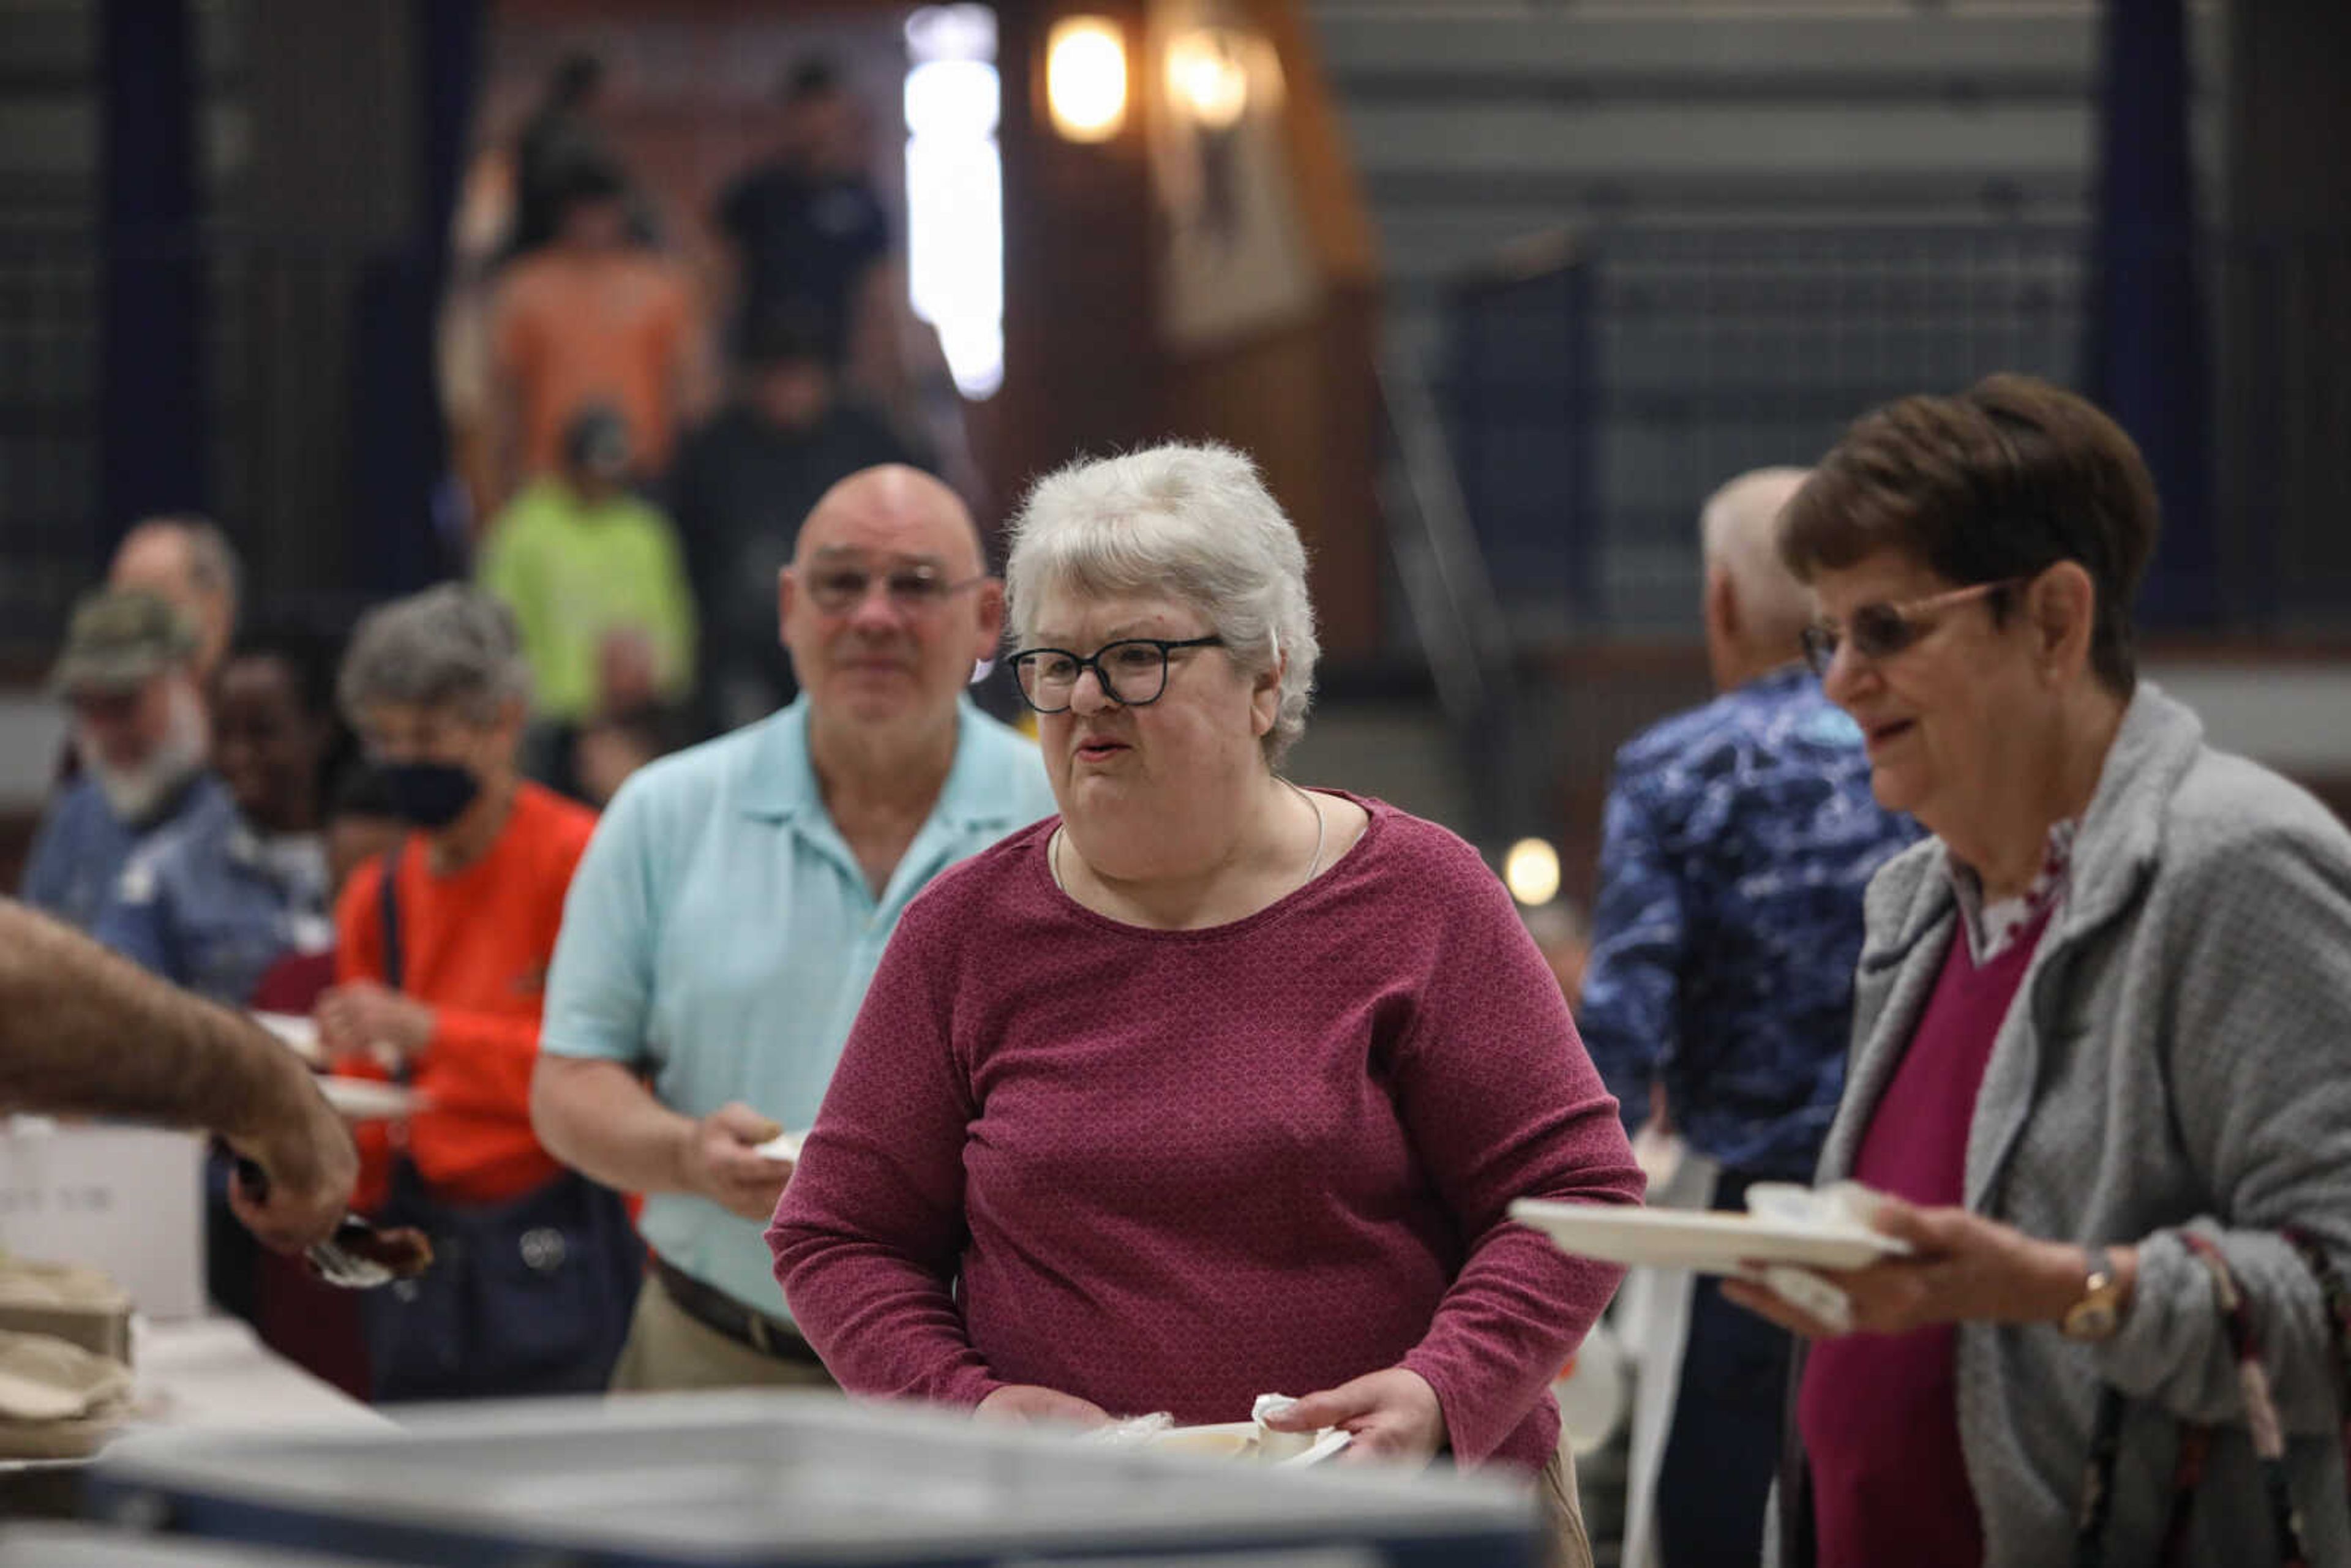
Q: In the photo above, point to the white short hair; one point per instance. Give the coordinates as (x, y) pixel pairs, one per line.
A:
(1740, 531)
(1194, 523)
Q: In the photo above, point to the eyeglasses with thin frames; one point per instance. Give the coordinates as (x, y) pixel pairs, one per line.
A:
(1132, 672)
(839, 587)
(1882, 631)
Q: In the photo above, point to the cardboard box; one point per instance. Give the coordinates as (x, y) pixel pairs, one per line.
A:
(70, 1301)
(127, 1200)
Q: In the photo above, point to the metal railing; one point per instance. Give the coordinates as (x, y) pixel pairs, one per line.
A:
(1456, 615)
(279, 319)
(1596, 401)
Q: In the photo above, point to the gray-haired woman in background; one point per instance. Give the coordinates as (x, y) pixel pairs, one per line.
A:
(440, 976)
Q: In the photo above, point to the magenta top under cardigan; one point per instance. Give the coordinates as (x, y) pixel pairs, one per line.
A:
(1880, 1413)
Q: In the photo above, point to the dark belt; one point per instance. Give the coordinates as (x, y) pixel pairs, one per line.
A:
(715, 1309)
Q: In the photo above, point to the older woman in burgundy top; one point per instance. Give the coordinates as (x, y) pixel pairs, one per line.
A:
(1213, 1086)
(2102, 1041)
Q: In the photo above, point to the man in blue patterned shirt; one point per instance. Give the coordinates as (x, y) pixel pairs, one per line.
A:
(1738, 840)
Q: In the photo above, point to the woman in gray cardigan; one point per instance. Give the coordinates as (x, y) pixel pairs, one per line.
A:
(2102, 1043)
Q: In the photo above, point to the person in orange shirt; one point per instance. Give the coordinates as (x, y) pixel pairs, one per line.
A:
(442, 957)
(592, 317)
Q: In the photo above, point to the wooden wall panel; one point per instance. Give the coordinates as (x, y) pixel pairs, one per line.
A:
(1302, 397)
(1082, 364)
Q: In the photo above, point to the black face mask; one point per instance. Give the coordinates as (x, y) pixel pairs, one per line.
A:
(430, 794)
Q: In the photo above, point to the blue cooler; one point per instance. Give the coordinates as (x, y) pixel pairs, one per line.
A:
(785, 1480)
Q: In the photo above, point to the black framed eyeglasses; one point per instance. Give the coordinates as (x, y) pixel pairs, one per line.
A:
(1133, 671)
(1883, 631)
(838, 586)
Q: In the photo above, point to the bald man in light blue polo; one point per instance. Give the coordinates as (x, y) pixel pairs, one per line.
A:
(724, 925)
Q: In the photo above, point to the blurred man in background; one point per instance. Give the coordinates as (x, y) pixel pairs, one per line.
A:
(140, 733)
(729, 913)
(1739, 839)
(189, 564)
(743, 483)
(808, 236)
(592, 317)
(599, 591)
(563, 131)
(213, 902)
(806, 229)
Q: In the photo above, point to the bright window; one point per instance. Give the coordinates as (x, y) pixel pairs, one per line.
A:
(955, 190)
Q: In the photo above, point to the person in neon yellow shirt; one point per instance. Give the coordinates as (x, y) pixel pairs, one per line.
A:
(597, 584)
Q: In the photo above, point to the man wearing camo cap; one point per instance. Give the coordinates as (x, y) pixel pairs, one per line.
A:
(137, 728)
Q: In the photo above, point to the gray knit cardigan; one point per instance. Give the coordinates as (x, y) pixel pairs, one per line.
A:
(2178, 1058)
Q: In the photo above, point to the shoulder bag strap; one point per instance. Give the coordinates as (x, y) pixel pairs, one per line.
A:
(388, 908)
(2261, 1408)
(2332, 1287)
(395, 962)
(2268, 1434)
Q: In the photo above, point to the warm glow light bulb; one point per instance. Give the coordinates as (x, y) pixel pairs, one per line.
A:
(1207, 76)
(1531, 871)
(1085, 78)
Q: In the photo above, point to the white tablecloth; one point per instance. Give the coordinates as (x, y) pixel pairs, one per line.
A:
(195, 1373)
(214, 1371)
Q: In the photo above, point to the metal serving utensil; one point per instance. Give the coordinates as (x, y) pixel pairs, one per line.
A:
(361, 1255)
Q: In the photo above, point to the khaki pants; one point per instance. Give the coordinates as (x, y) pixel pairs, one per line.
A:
(668, 1352)
(1569, 1547)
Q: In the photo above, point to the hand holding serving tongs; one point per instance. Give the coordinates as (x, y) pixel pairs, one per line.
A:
(361, 1255)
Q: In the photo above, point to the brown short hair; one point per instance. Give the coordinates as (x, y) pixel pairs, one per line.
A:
(2004, 480)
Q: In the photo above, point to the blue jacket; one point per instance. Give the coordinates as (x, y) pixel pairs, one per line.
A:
(1737, 842)
(207, 904)
(78, 855)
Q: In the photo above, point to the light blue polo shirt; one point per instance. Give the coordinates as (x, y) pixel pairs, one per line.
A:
(719, 937)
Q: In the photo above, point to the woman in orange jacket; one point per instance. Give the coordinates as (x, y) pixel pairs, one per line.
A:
(441, 962)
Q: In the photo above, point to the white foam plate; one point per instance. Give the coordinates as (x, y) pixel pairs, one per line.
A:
(783, 1146)
(1233, 1440)
(1331, 1441)
(298, 1033)
(369, 1099)
(1708, 1243)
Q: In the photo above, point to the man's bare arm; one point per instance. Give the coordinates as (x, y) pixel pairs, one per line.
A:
(595, 1117)
(84, 1032)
